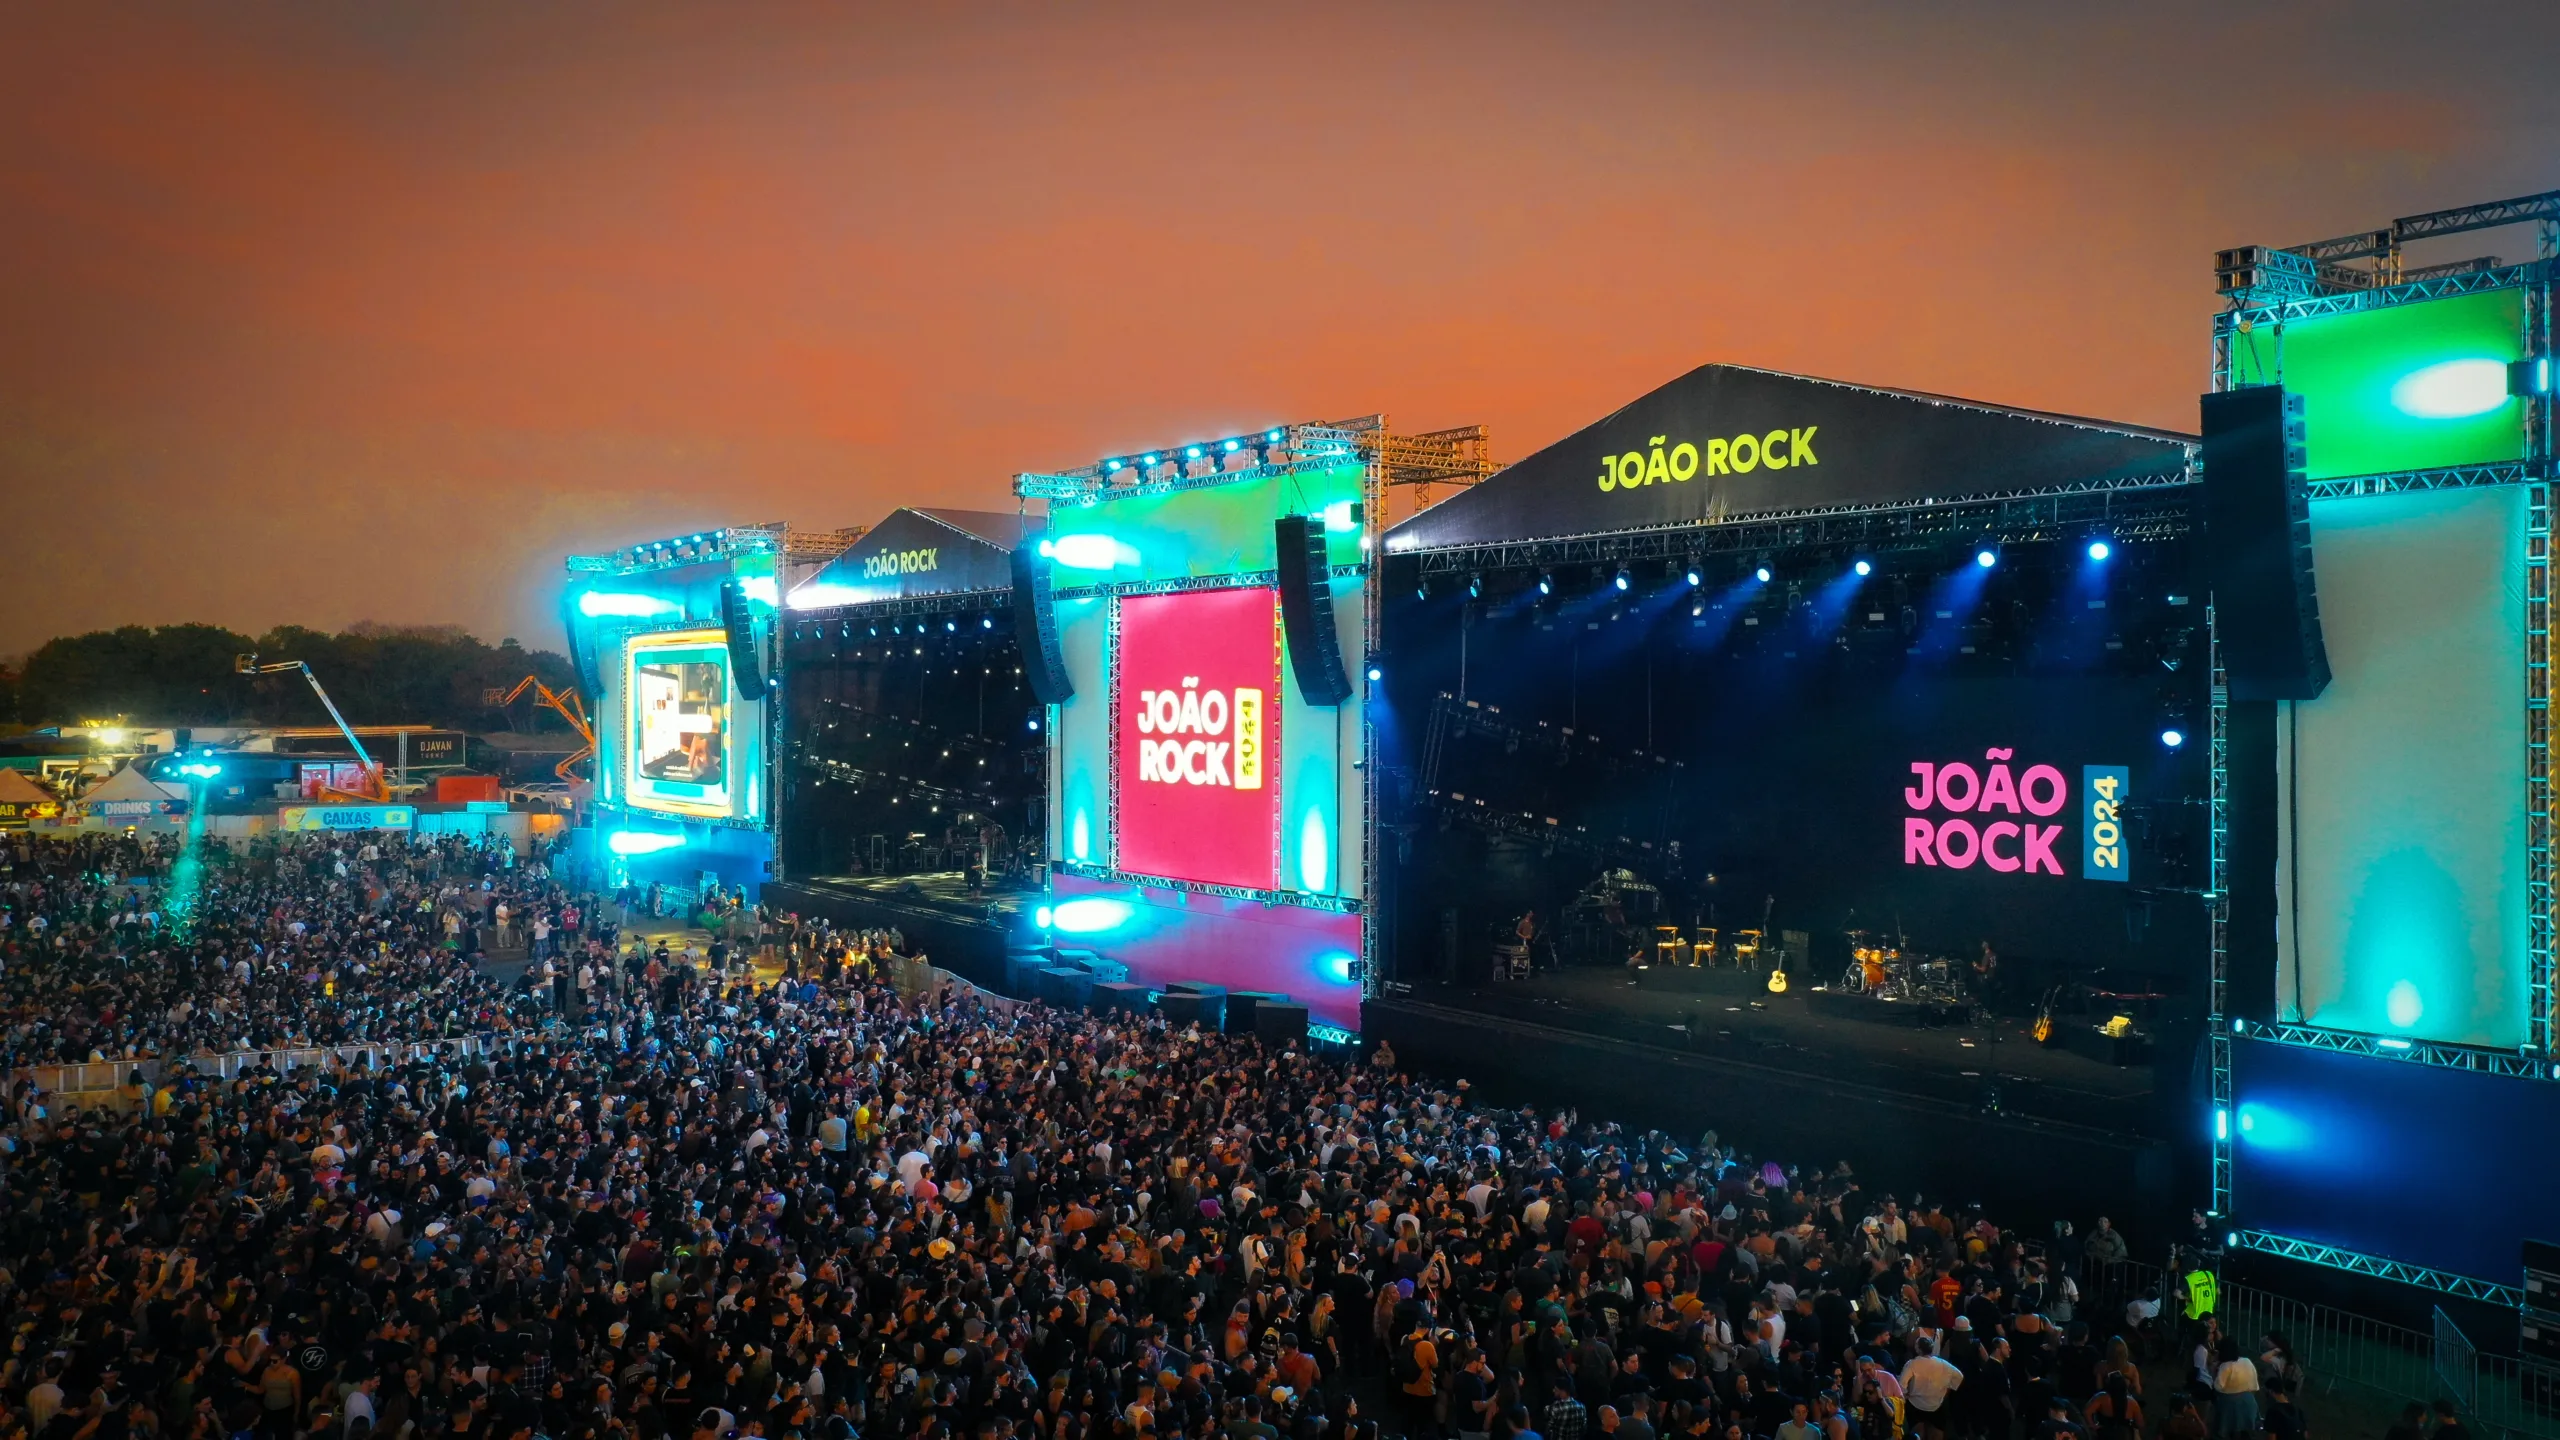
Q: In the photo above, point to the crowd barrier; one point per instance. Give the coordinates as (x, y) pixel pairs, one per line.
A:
(96, 1083)
(2393, 1363)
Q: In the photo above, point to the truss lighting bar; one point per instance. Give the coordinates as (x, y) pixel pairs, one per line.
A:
(2356, 1262)
(2392, 1047)
(2159, 511)
(1330, 904)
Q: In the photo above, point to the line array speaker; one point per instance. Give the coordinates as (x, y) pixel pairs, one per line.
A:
(1035, 628)
(2258, 545)
(740, 623)
(1306, 610)
(582, 658)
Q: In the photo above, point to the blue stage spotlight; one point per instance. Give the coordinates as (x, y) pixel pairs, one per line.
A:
(1761, 574)
(1271, 437)
(986, 622)
(2173, 737)
(1986, 557)
(2100, 549)
(1864, 569)
(1149, 460)
(1620, 580)
(1232, 446)
(1694, 575)
(1475, 587)
(1375, 674)
(1546, 582)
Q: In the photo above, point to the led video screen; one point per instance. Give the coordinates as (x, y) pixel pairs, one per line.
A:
(2401, 884)
(1203, 531)
(1196, 741)
(2364, 1154)
(682, 757)
(2403, 387)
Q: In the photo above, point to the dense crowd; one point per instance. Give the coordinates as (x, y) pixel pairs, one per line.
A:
(280, 942)
(695, 1202)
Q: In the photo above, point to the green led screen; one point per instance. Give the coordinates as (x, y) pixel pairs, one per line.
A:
(2402, 387)
(1205, 531)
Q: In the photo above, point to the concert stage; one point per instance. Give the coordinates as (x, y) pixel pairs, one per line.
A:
(1729, 1015)
(1790, 1087)
(962, 932)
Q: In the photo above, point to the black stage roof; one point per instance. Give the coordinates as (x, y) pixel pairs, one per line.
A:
(1728, 442)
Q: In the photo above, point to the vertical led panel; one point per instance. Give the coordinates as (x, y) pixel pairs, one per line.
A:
(2401, 887)
(683, 748)
(1082, 744)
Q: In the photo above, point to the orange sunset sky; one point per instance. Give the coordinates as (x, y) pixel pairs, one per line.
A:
(318, 314)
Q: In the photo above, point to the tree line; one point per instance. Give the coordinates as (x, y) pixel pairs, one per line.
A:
(185, 675)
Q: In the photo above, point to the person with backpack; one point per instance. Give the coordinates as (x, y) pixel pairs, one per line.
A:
(1417, 1376)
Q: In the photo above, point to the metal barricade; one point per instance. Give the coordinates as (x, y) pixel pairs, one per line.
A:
(2457, 1363)
(2341, 1351)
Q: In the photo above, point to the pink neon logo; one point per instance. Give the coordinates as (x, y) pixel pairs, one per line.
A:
(1958, 842)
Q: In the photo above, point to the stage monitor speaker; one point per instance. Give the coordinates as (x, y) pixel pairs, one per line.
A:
(2257, 525)
(1187, 1007)
(1195, 987)
(1118, 997)
(1242, 1005)
(1306, 610)
(1276, 1021)
(1022, 973)
(740, 623)
(1035, 628)
(1066, 985)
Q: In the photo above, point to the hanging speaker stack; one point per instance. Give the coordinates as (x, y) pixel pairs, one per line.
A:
(2257, 529)
(582, 657)
(1035, 628)
(736, 619)
(1306, 610)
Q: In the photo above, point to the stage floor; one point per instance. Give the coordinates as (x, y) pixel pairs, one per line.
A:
(942, 890)
(1731, 1013)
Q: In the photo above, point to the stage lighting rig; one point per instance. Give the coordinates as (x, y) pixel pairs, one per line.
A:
(1475, 585)
(1621, 579)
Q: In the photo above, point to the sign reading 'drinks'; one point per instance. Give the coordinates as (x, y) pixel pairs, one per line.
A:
(1993, 815)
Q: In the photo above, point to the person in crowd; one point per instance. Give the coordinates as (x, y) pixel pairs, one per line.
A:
(2235, 1390)
(680, 1197)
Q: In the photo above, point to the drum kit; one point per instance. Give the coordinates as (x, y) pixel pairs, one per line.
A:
(1880, 967)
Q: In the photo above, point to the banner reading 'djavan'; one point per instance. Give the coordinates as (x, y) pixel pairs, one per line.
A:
(1197, 686)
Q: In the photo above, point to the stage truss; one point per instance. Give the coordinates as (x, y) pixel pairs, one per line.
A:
(2356, 1262)
(2161, 508)
(2267, 288)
